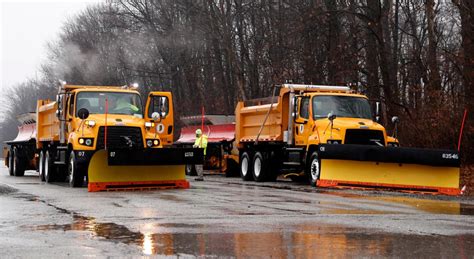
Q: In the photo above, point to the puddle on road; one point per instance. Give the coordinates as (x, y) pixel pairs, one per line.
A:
(170, 197)
(355, 212)
(306, 241)
(303, 240)
(431, 206)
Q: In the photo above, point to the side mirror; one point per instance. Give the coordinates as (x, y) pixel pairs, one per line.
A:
(59, 101)
(58, 113)
(331, 116)
(83, 113)
(395, 120)
(377, 111)
(156, 116)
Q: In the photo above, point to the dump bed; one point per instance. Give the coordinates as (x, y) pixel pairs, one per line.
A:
(47, 122)
(250, 117)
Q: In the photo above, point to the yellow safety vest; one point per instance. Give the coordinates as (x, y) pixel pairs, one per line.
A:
(201, 142)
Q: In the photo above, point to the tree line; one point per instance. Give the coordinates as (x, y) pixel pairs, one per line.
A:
(416, 57)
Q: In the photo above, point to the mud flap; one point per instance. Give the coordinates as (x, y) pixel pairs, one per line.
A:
(140, 169)
(423, 170)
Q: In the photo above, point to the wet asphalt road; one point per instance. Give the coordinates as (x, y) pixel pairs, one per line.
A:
(225, 217)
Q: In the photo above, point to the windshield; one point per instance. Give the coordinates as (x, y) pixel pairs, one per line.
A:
(118, 103)
(341, 106)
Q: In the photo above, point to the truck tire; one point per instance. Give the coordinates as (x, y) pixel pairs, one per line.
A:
(261, 168)
(10, 162)
(190, 170)
(75, 174)
(18, 163)
(49, 168)
(246, 167)
(313, 169)
(41, 166)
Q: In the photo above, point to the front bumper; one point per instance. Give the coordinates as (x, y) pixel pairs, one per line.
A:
(156, 156)
(401, 155)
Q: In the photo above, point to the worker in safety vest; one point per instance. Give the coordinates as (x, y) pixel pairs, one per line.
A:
(121, 106)
(201, 142)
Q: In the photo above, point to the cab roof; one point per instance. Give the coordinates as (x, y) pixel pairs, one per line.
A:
(125, 89)
(312, 90)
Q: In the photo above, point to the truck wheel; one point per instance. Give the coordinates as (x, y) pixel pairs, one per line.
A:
(190, 170)
(18, 164)
(10, 162)
(75, 175)
(49, 168)
(260, 167)
(41, 166)
(246, 167)
(313, 169)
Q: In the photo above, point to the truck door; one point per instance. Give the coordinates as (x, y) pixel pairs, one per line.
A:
(159, 109)
(302, 127)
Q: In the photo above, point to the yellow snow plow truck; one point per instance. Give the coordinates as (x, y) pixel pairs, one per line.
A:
(103, 135)
(329, 136)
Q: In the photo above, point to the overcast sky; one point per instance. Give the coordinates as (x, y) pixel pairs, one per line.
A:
(26, 27)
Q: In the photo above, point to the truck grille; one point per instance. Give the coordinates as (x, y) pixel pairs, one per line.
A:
(364, 137)
(120, 137)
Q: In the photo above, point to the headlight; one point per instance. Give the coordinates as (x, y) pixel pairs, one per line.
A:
(148, 124)
(149, 143)
(334, 142)
(393, 144)
(152, 142)
(90, 123)
(86, 141)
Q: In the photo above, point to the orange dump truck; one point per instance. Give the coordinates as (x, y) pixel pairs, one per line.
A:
(104, 135)
(328, 135)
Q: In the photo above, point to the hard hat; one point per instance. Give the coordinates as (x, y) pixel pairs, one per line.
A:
(198, 132)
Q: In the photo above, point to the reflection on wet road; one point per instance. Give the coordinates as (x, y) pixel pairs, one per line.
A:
(303, 241)
(431, 206)
(215, 219)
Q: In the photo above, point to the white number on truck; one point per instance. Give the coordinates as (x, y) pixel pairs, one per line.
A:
(450, 156)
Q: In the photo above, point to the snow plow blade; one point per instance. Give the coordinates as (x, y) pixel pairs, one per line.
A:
(162, 168)
(408, 169)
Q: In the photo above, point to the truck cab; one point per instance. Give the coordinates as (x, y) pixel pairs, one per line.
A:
(337, 118)
(101, 117)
